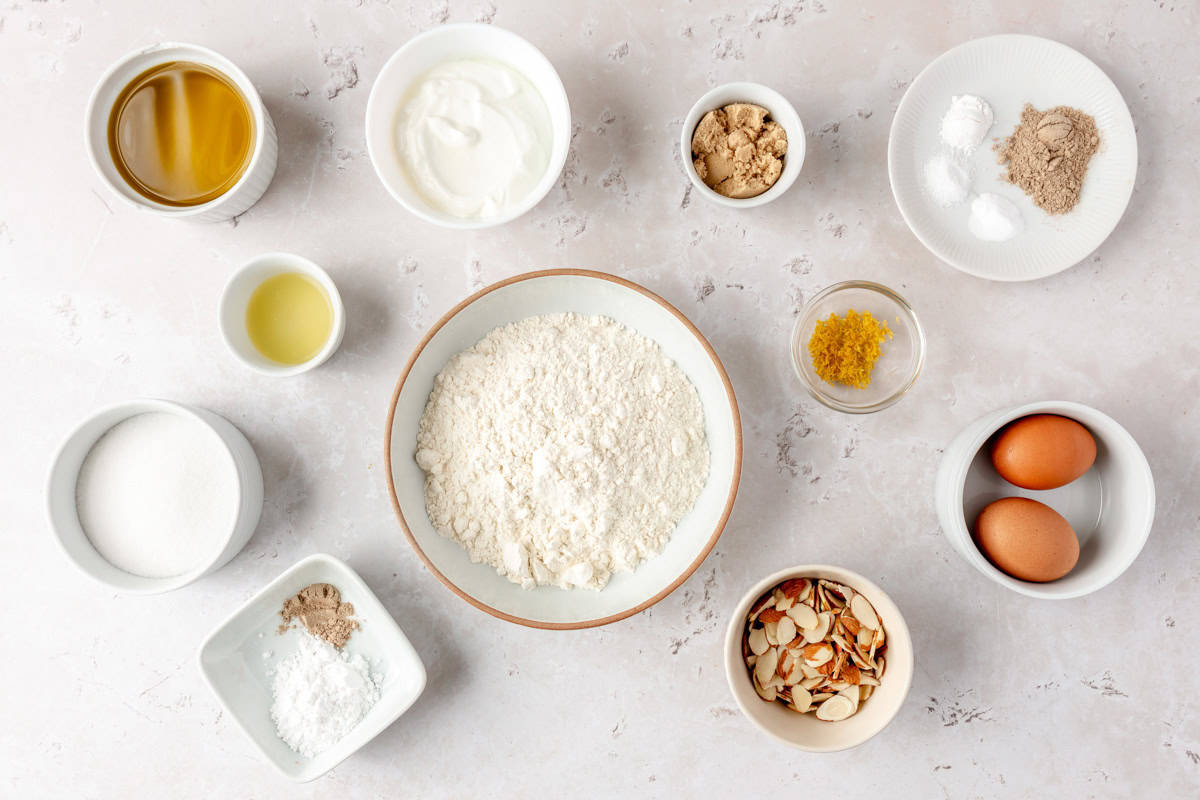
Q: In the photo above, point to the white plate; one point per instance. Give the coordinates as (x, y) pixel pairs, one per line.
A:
(233, 664)
(549, 292)
(1009, 71)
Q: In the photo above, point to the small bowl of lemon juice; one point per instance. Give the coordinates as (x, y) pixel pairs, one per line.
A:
(281, 315)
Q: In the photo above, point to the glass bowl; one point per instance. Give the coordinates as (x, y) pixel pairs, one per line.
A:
(895, 371)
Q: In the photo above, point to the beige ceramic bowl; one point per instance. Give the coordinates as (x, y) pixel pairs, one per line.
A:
(805, 731)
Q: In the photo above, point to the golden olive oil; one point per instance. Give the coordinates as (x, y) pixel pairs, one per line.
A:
(289, 318)
(181, 134)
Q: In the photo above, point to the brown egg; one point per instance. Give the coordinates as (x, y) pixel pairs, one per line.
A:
(1027, 539)
(1043, 451)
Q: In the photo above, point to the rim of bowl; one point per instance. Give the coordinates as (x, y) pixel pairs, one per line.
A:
(725, 512)
(733, 642)
(996, 421)
(832, 402)
(288, 262)
(232, 71)
(706, 103)
(553, 169)
(130, 409)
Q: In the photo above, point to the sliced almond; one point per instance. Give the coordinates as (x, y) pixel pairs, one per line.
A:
(812, 683)
(765, 694)
(865, 637)
(769, 615)
(850, 674)
(757, 641)
(850, 624)
(769, 631)
(817, 654)
(751, 660)
(867, 680)
(824, 622)
(851, 694)
(784, 604)
(808, 671)
(819, 697)
(835, 709)
(864, 692)
(863, 612)
(761, 606)
(764, 669)
(785, 630)
(801, 699)
(803, 616)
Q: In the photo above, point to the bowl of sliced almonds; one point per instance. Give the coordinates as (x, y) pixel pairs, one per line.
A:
(818, 657)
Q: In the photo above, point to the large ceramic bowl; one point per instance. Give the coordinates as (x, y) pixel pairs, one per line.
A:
(1110, 507)
(549, 292)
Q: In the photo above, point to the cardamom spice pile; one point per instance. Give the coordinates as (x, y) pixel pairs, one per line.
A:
(319, 608)
(1048, 154)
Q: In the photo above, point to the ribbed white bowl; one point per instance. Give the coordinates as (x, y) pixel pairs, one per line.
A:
(1009, 71)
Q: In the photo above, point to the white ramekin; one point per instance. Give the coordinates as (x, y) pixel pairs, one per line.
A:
(1126, 499)
(781, 111)
(242, 195)
(805, 731)
(447, 43)
(64, 473)
(236, 296)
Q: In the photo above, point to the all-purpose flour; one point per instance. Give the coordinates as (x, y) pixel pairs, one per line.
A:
(561, 449)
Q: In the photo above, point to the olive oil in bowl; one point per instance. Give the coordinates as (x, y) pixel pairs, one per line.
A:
(289, 318)
(181, 134)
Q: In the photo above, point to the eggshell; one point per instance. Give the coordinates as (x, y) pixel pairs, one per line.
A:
(1026, 539)
(1043, 451)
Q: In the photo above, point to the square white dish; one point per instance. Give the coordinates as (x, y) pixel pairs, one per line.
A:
(232, 661)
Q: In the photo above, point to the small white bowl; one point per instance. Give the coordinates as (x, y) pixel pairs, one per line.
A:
(236, 296)
(448, 43)
(552, 292)
(232, 661)
(781, 111)
(254, 181)
(805, 731)
(64, 473)
(1111, 507)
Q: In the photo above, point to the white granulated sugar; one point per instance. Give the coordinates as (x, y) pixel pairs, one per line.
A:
(157, 495)
(561, 449)
(946, 181)
(320, 693)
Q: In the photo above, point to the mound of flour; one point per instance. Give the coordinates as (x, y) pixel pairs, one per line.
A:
(561, 449)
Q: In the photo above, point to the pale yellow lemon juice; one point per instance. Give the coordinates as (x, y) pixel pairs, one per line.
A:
(289, 318)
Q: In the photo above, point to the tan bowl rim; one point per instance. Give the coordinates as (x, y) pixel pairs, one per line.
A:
(733, 489)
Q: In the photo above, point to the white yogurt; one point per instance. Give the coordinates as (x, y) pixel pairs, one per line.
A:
(474, 138)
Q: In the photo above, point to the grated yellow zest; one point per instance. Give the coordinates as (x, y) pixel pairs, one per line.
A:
(845, 349)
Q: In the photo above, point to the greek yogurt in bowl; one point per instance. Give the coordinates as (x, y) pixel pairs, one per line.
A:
(474, 137)
(468, 126)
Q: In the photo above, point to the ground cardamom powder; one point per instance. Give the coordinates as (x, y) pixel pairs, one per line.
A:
(320, 609)
(1048, 155)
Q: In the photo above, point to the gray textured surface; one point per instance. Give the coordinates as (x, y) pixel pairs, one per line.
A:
(1012, 698)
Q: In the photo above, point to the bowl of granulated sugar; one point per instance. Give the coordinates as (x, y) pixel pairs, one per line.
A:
(149, 495)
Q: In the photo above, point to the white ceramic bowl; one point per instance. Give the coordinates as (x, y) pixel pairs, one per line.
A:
(236, 296)
(64, 520)
(242, 195)
(1008, 71)
(781, 111)
(1111, 507)
(232, 661)
(805, 731)
(550, 292)
(448, 43)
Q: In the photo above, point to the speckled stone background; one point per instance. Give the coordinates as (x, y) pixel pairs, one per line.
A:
(1012, 698)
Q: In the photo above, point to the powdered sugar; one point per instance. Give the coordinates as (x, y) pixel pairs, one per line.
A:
(561, 449)
(320, 694)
